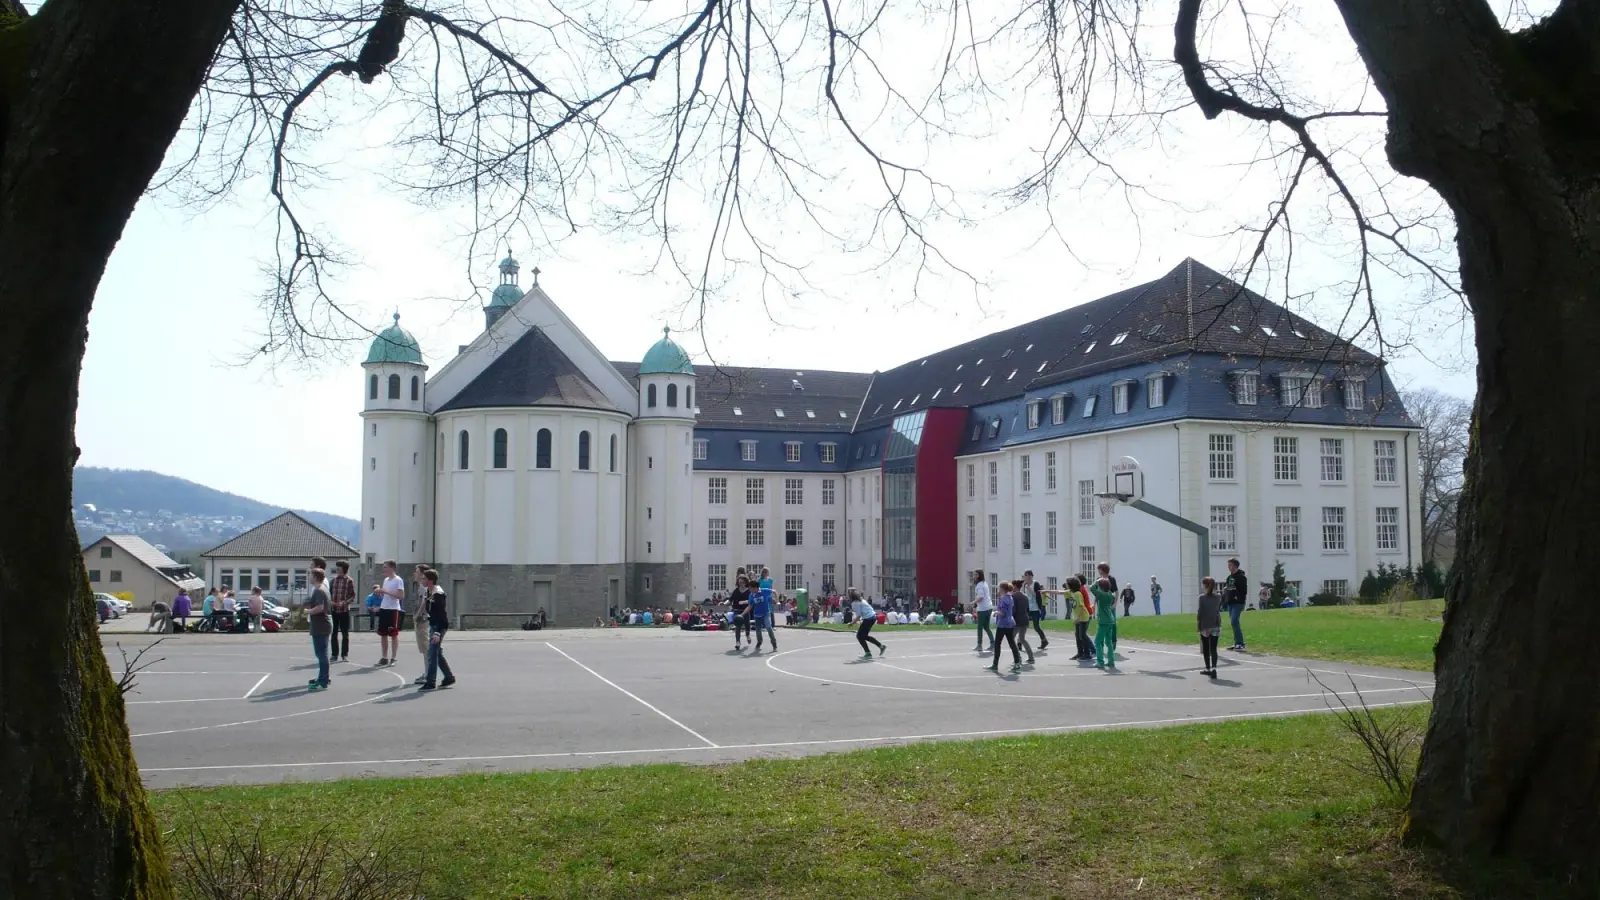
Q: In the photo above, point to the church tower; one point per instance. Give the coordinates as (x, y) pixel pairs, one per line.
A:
(661, 477)
(506, 293)
(398, 461)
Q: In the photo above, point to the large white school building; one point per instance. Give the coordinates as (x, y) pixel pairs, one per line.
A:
(536, 473)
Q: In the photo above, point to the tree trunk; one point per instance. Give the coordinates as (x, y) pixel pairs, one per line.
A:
(91, 94)
(1503, 127)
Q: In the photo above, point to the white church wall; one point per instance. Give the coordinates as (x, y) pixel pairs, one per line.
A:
(396, 486)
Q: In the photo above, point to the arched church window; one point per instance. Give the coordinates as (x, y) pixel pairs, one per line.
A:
(394, 387)
(372, 388)
(672, 395)
(583, 451)
(462, 450)
(416, 386)
(688, 397)
(613, 453)
(650, 396)
(500, 448)
(541, 449)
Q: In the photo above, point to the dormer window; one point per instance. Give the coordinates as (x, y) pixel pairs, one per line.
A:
(1245, 388)
(1035, 408)
(1292, 389)
(1121, 395)
(1089, 404)
(1313, 398)
(747, 451)
(791, 451)
(1155, 391)
(1355, 393)
(1058, 410)
(977, 431)
(994, 427)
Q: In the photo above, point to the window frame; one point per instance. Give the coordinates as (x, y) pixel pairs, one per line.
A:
(500, 453)
(1331, 461)
(1222, 462)
(1224, 528)
(755, 532)
(1287, 527)
(1334, 531)
(1286, 462)
(1392, 527)
(714, 484)
(755, 491)
(1385, 464)
(1246, 388)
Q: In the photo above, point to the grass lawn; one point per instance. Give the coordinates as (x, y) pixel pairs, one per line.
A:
(1363, 635)
(1264, 808)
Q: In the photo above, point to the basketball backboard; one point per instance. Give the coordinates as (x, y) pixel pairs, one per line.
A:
(1124, 483)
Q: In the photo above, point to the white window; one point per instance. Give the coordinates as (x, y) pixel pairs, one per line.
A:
(791, 451)
(1088, 564)
(972, 481)
(1385, 463)
(778, 413)
(755, 490)
(1089, 403)
(1294, 389)
(755, 533)
(1027, 531)
(717, 532)
(1050, 470)
(1313, 393)
(1333, 529)
(1338, 587)
(794, 533)
(1333, 460)
(717, 577)
(994, 532)
(754, 570)
(1285, 459)
(1244, 388)
(1058, 410)
(792, 577)
(1119, 397)
(862, 484)
(1288, 525)
(747, 451)
(830, 452)
(1222, 468)
(700, 453)
(848, 530)
(794, 491)
(1388, 528)
(1355, 393)
(994, 479)
(1086, 500)
(717, 491)
(828, 570)
(649, 583)
(863, 532)
(1156, 391)
(1027, 474)
(1034, 410)
(877, 532)
(827, 492)
(828, 532)
(972, 532)
(1224, 529)
(1050, 531)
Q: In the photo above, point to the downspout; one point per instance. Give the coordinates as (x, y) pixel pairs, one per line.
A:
(1406, 461)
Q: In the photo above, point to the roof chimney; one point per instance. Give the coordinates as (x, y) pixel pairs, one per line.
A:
(460, 349)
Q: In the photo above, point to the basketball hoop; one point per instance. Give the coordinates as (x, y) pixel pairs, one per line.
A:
(1110, 501)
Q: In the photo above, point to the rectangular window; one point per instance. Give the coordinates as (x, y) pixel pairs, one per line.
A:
(828, 570)
(1294, 387)
(827, 532)
(830, 452)
(754, 569)
(1244, 388)
(972, 532)
(1333, 529)
(1050, 531)
(717, 491)
(1285, 459)
(717, 532)
(1224, 529)
(877, 532)
(755, 532)
(827, 492)
(863, 532)
(1156, 392)
(972, 481)
(755, 490)
(1089, 403)
(1027, 474)
(1385, 468)
(717, 577)
(299, 576)
(94, 574)
(105, 552)
(1034, 410)
(246, 580)
(793, 533)
(1086, 500)
(1027, 531)
(280, 580)
(1333, 460)
(794, 491)
(116, 576)
(1338, 587)
(747, 451)
(227, 578)
(1120, 394)
(1050, 471)
(994, 532)
(791, 451)
(1313, 398)
(793, 579)
(1288, 524)
(862, 484)
(994, 479)
(1222, 468)
(1058, 410)
(1087, 564)
(848, 531)
(700, 446)
(1388, 528)
(1355, 393)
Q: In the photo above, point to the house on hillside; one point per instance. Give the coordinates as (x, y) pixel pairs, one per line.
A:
(274, 556)
(122, 563)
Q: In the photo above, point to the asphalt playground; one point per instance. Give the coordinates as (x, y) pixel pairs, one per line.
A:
(234, 709)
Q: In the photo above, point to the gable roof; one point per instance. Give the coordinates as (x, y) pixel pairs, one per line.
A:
(164, 565)
(822, 401)
(531, 372)
(1190, 309)
(288, 536)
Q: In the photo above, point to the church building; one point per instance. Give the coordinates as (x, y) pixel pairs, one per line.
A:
(535, 473)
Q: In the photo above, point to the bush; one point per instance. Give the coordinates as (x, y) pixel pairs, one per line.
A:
(1280, 587)
(297, 620)
(1325, 599)
(225, 863)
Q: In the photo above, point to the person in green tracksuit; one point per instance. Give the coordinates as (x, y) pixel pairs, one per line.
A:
(1105, 635)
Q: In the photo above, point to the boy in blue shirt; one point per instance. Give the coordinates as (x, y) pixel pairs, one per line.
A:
(761, 610)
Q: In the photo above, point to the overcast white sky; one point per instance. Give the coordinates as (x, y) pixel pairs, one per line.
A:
(168, 383)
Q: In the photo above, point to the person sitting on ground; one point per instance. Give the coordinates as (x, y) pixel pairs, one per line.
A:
(648, 618)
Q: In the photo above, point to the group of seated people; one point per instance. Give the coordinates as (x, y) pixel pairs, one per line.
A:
(651, 616)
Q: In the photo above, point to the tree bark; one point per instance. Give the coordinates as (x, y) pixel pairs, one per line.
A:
(93, 93)
(1502, 126)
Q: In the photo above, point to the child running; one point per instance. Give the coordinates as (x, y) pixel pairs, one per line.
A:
(738, 603)
(1082, 610)
(869, 618)
(1208, 621)
(984, 607)
(761, 611)
(1105, 633)
(1022, 611)
(1005, 627)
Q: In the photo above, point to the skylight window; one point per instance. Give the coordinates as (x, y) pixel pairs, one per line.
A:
(737, 411)
(1236, 329)
(986, 381)
(799, 374)
(843, 414)
(878, 410)
(1087, 329)
(1268, 331)
(959, 365)
(979, 362)
(1155, 329)
(796, 383)
(1119, 338)
(994, 427)
(1012, 375)
(1006, 355)
(1028, 349)
(923, 363)
(915, 399)
(936, 393)
(1041, 366)
(697, 410)
(897, 404)
(779, 413)
(1299, 335)
(955, 390)
(810, 414)
(1090, 347)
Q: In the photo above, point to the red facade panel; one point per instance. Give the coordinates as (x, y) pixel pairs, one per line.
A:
(937, 534)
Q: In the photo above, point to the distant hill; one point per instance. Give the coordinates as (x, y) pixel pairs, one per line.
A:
(175, 512)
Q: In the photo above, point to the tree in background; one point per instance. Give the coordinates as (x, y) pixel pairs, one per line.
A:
(1446, 424)
(1280, 586)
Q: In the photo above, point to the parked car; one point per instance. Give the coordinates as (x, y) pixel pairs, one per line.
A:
(119, 608)
(104, 610)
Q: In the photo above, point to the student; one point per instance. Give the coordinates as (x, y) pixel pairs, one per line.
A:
(1105, 634)
(341, 594)
(391, 611)
(1021, 613)
(1105, 572)
(317, 609)
(984, 607)
(1127, 600)
(869, 618)
(1155, 595)
(208, 607)
(1234, 591)
(1208, 621)
(160, 617)
(374, 601)
(419, 624)
(1005, 627)
(738, 607)
(433, 603)
(1035, 592)
(256, 605)
(1082, 610)
(761, 611)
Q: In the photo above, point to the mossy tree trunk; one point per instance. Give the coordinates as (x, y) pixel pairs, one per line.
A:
(91, 94)
(1506, 127)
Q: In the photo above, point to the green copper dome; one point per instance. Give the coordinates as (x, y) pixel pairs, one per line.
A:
(505, 296)
(395, 345)
(666, 358)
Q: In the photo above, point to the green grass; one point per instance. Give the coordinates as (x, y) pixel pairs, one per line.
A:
(1263, 808)
(1362, 635)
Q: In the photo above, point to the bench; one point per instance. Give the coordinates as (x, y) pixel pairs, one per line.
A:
(461, 620)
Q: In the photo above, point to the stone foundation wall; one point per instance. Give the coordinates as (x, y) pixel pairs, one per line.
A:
(575, 595)
(667, 581)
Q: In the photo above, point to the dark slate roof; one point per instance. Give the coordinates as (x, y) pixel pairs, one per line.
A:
(531, 372)
(823, 401)
(286, 537)
(1190, 309)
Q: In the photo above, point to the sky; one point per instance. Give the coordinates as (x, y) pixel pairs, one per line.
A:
(171, 381)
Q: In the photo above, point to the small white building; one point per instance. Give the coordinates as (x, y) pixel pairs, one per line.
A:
(276, 557)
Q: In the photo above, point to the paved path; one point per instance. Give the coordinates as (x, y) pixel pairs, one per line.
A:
(222, 709)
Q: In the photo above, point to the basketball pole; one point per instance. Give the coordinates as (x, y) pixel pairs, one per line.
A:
(1202, 557)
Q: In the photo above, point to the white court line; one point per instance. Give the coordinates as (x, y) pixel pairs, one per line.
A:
(777, 745)
(187, 700)
(880, 662)
(256, 687)
(1258, 662)
(143, 672)
(379, 696)
(619, 687)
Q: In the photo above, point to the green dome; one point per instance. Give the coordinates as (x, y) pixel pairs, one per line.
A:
(505, 296)
(395, 345)
(666, 358)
